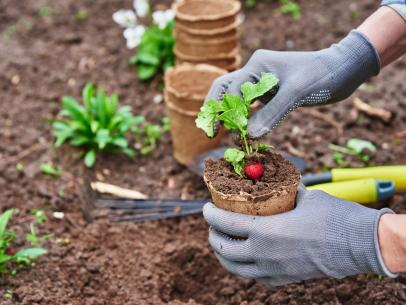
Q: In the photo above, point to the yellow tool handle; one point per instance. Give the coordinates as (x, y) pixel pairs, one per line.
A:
(364, 191)
(395, 173)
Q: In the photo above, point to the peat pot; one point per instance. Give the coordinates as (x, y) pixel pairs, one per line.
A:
(280, 197)
(206, 15)
(186, 87)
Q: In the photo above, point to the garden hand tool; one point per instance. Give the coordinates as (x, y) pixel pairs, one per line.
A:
(323, 236)
(305, 78)
(364, 191)
(395, 173)
(198, 163)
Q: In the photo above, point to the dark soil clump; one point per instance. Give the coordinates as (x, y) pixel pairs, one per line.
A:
(278, 174)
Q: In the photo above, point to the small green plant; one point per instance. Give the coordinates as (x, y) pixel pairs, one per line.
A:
(50, 169)
(148, 135)
(97, 125)
(40, 216)
(354, 147)
(290, 7)
(250, 3)
(82, 15)
(153, 38)
(233, 112)
(8, 254)
(155, 51)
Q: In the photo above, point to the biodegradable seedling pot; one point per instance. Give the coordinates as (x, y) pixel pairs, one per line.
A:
(186, 87)
(193, 58)
(233, 34)
(204, 48)
(206, 14)
(229, 64)
(274, 193)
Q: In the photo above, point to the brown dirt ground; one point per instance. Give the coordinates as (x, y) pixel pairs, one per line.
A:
(168, 262)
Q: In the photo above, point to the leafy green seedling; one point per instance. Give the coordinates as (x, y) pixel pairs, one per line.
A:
(233, 112)
(290, 7)
(7, 253)
(155, 51)
(82, 15)
(148, 135)
(97, 125)
(354, 147)
(250, 3)
(51, 170)
(40, 216)
(19, 167)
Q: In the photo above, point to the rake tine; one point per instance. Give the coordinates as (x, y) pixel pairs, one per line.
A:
(148, 203)
(142, 218)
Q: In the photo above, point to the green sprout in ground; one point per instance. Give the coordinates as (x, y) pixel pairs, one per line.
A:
(233, 112)
(10, 258)
(97, 125)
(148, 135)
(359, 148)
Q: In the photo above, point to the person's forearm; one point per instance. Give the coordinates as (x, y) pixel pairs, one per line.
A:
(386, 30)
(392, 241)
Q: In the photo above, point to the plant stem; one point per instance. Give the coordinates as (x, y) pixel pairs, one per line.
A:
(247, 147)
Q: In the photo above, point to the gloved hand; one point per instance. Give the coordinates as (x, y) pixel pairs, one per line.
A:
(306, 78)
(322, 237)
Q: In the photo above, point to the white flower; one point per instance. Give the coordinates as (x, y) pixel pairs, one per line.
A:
(141, 7)
(133, 36)
(162, 18)
(125, 18)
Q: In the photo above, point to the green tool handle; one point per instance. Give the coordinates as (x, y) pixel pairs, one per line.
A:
(364, 191)
(395, 173)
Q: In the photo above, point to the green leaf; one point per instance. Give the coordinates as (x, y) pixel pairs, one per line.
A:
(145, 72)
(87, 95)
(94, 126)
(252, 91)
(62, 136)
(236, 158)
(75, 110)
(120, 142)
(262, 147)
(147, 58)
(359, 145)
(102, 138)
(90, 158)
(4, 219)
(208, 115)
(101, 107)
(129, 152)
(49, 169)
(4, 258)
(30, 253)
(80, 140)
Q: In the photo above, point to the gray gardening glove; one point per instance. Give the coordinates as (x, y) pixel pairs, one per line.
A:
(322, 237)
(306, 78)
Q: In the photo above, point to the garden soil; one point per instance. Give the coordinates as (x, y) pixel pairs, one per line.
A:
(46, 52)
(278, 175)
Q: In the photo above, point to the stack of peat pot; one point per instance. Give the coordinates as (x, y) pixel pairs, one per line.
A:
(186, 87)
(207, 31)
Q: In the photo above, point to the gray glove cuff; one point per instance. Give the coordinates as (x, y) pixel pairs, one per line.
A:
(352, 241)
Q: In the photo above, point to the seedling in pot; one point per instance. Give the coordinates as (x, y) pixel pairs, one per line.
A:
(233, 112)
(258, 182)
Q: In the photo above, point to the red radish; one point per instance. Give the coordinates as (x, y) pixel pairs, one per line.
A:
(11, 251)
(254, 171)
